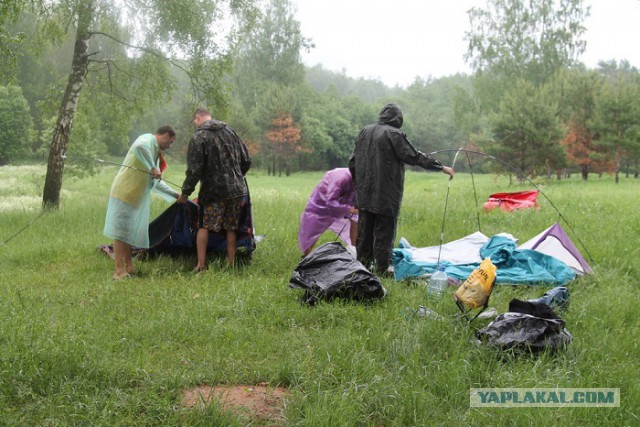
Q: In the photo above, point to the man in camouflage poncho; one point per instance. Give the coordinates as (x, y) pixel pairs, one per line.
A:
(218, 159)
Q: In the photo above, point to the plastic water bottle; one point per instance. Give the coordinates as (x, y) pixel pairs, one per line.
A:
(438, 282)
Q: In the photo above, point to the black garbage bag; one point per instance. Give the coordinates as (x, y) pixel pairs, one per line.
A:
(557, 298)
(533, 307)
(330, 272)
(525, 332)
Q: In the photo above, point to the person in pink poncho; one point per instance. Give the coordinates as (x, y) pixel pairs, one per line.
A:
(330, 206)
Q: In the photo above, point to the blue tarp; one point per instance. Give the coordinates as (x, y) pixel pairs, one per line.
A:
(515, 266)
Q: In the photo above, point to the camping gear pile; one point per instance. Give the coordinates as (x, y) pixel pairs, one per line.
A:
(548, 259)
(530, 326)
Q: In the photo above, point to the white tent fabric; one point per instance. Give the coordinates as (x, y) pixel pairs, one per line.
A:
(465, 250)
(527, 263)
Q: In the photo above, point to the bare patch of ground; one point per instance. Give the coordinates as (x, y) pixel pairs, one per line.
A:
(258, 402)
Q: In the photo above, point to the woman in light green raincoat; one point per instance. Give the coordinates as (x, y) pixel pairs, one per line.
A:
(127, 221)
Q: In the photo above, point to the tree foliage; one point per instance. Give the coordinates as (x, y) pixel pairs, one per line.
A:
(369, 91)
(517, 49)
(518, 40)
(268, 76)
(9, 40)
(522, 39)
(136, 64)
(616, 120)
(583, 152)
(269, 54)
(527, 130)
(429, 112)
(330, 125)
(129, 47)
(16, 124)
(578, 88)
(284, 140)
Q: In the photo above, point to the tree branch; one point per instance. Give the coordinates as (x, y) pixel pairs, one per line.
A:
(142, 48)
(108, 63)
(176, 63)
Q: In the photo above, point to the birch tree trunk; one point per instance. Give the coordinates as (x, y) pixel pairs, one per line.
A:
(79, 68)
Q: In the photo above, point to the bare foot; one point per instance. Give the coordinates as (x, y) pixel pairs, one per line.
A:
(121, 276)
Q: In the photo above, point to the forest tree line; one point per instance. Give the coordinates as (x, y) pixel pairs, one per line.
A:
(81, 79)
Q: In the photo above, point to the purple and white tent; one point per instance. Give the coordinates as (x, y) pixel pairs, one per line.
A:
(554, 242)
(548, 258)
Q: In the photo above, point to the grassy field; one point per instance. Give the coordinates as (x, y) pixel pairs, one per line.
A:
(77, 348)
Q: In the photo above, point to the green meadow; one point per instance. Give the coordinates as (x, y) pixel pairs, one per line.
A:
(78, 348)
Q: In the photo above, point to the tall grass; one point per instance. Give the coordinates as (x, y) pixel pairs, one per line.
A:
(77, 348)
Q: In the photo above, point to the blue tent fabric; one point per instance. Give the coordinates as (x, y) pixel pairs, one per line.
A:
(174, 232)
(515, 266)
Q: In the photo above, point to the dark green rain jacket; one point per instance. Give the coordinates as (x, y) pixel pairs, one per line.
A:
(377, 163)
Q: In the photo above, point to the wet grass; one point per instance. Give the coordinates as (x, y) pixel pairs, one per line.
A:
(77, 348)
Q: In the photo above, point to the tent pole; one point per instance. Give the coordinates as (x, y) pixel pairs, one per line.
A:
(521, 174)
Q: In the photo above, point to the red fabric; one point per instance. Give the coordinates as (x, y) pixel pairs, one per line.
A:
(163, 162)
(510, 201)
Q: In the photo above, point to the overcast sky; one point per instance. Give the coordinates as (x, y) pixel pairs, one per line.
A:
(395, 41)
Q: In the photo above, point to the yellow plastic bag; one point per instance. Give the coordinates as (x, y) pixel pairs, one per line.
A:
(475, 291)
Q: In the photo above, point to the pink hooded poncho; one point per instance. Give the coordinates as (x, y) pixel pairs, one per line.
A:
(328, 208)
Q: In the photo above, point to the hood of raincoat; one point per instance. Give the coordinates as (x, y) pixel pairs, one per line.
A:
(212, 124)
(391, 115)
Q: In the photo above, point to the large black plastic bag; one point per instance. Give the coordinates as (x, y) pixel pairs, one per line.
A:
(525, 332)
(332, 272)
